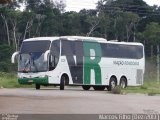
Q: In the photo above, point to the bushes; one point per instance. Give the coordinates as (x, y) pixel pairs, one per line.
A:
(5, 59)
(8, 80)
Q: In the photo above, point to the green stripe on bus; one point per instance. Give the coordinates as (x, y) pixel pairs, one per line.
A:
(43, 81)
(92, 64)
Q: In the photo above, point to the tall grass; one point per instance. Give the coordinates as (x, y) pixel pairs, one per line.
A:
(9, 80)
(150, 86)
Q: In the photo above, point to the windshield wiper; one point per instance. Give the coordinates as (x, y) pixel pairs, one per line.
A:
(35, 66)
(27, 64)
(25, 67)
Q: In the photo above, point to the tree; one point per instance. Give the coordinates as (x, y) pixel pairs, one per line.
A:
(60, 5)
(152, 32)
(93, 20)
(150, 36)
(124, 25)
(14, 17)
(104, 24)
(5, 20)
(26, 23)
(5, 1)
(122, 22)
(71, 22)
(5, 53)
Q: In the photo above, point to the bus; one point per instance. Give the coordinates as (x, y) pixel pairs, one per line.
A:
(82, 61)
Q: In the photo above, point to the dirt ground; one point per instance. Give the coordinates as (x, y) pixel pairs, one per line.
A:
(74, 101)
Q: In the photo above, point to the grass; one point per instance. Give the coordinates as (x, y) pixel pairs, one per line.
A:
(150, 87)
(9, 80)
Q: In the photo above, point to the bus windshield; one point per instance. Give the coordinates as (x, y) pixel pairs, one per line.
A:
(31, 57)
(35, 46)
(32, 62)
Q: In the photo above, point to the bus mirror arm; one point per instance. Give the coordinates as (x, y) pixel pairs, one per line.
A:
(13, 56)
(46, 55)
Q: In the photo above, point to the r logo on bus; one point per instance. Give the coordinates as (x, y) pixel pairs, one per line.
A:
(81, 67)
(92, 62)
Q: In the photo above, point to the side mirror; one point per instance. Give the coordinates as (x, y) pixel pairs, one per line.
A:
(46, 55)
(14, 56)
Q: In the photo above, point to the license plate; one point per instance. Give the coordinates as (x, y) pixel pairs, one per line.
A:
(30, 81)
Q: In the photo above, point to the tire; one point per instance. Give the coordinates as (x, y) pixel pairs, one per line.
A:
(100, 88)
(112, 83)
(123, 82)
(62, 83)
(37, 86)
(86, 87)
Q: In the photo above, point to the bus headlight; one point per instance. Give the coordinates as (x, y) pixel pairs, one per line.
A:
(44, 76)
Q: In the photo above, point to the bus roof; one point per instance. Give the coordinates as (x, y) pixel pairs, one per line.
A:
(84, 38)
(125, 43)
(73, 38)
(42, 38)
(68, 38)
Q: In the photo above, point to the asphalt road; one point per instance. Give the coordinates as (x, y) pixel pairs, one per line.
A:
(74, 101)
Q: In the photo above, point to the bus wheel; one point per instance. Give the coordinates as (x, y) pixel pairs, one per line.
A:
(86, 87)
(37, 86)
(123, 82)
(100, 88)
(112, 83)
(62, 83)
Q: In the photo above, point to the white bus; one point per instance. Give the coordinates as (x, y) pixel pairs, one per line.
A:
(84, 61)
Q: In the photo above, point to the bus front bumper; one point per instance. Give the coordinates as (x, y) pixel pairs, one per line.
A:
(42, 80)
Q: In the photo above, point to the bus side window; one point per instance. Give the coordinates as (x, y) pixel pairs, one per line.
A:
(54, 57)
(51, 62)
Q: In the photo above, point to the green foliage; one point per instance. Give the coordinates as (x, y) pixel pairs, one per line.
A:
(150, 87)
(152, 32)
(125, 20)
(5, 56)
(9, 80)
(112, 20)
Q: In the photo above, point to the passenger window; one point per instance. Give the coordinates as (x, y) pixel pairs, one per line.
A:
(54, 57)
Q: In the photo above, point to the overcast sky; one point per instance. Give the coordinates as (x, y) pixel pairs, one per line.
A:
(77, 5)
